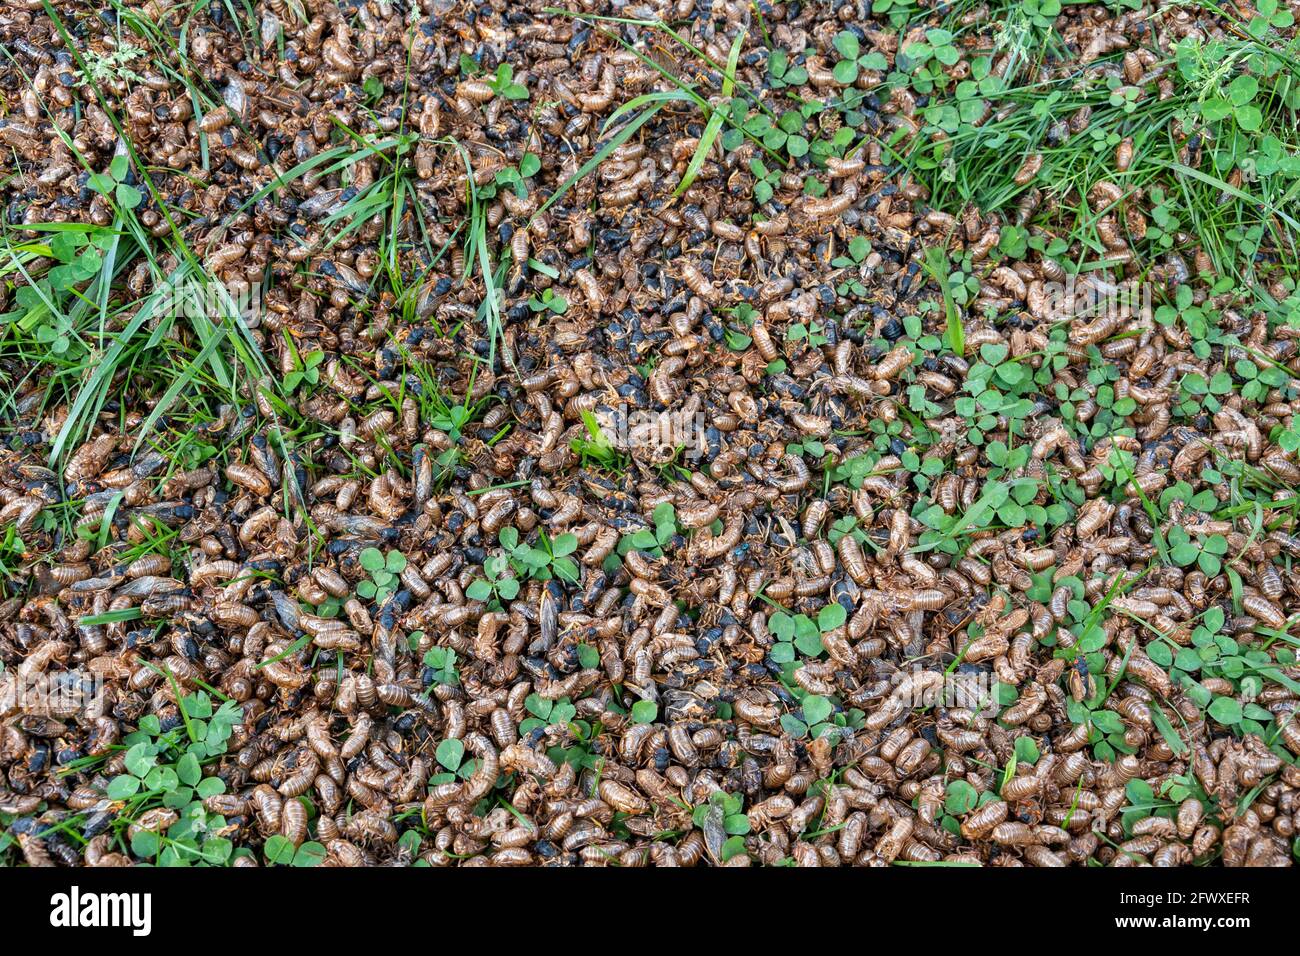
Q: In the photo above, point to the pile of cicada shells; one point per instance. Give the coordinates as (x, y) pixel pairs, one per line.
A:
(338, 736)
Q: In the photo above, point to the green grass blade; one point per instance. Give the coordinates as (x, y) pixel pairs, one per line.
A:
(1227, 188)
(112, 617)
(176, 387)
(701, 152)
(101, 377)
(733, 60)
(936, 264)
(714, 126)
(618, 139)
(659, 96)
